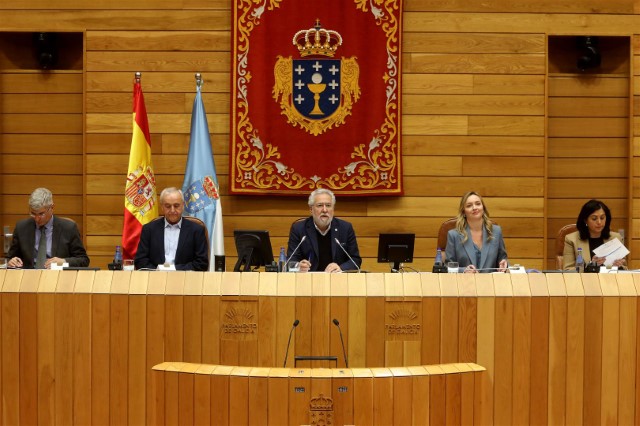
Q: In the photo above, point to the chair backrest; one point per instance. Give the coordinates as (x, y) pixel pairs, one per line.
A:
(567, 229)
(206, 231)
(300, 219)
(446, 226)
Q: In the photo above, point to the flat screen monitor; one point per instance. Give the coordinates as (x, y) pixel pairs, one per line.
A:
(396, 249)
(254, 249)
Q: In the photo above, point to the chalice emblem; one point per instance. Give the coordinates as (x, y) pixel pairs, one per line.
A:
(316, 88)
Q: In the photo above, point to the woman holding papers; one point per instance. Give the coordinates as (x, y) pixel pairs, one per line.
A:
(476, 242)
(593, 224)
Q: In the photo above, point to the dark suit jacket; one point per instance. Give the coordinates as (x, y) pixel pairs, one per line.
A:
(465, 254)
(65, 243)
(191, 253)
(340, 229)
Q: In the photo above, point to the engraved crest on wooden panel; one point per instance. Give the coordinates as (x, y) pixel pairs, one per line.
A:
(239, 320)
(321, 411)
(403, 321)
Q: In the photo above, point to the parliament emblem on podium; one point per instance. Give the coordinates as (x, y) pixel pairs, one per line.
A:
(321, 411)
(316, 92)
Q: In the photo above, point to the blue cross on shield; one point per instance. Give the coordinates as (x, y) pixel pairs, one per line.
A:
(316, 87)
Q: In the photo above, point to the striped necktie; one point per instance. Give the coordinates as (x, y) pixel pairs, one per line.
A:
(42, 249)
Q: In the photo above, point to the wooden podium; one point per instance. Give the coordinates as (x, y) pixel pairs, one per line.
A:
(198, 394)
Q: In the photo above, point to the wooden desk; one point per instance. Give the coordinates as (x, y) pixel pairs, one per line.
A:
(78, 347)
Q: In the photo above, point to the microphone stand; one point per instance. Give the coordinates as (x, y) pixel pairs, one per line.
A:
(286, 354)
(344, 352)
(304, 237)
(350, 258)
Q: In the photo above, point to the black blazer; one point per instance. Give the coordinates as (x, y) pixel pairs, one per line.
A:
(340, 229)
(66, 243)
(191, 253)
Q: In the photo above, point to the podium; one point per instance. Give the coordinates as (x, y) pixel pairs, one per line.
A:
(199, 394)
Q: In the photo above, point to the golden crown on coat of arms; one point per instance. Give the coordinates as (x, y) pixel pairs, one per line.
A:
(321, 403)
(317, 41)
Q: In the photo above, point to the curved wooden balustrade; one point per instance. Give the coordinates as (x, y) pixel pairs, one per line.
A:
(198, 394)
(78, 347)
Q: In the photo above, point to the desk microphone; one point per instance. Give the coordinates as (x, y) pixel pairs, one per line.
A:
(350, 258)
(344, 352)
(286, 354)
(304, 237)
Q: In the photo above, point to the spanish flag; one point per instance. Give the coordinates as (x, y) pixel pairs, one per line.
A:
(140, 199)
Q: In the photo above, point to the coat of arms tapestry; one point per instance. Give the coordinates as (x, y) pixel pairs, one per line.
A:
(315, 97)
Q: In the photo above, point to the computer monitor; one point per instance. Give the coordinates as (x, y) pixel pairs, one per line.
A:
(254, 249)
(396, 249)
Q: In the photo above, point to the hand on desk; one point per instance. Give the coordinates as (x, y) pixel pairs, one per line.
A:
(305, 265)
(333, 267)
(15, 262)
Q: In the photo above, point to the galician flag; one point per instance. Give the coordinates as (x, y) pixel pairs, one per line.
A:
(200, 185)
(140, 199)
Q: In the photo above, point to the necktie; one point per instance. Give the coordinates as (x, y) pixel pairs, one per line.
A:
(42, 249)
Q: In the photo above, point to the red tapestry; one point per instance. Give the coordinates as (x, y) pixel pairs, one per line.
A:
(315, 97)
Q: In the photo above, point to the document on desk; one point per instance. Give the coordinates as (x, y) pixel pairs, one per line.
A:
(612, 250)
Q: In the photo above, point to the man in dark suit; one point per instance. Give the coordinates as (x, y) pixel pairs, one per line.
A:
(44, 239)
(172, 240)
(320, 250)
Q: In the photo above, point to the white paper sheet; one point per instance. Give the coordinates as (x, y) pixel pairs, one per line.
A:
(612, 251)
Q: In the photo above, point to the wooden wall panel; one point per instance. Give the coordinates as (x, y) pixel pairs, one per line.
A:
(476, 99)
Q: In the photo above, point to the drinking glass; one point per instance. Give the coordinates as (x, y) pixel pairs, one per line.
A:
(452, 267)
(127, 265)
(293, 266)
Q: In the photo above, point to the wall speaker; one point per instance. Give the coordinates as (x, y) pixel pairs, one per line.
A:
(46, 50)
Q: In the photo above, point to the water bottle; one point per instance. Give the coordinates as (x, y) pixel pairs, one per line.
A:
(438, 266)
(282, 261)
(579, 261)
(438, 256)
(117, 258)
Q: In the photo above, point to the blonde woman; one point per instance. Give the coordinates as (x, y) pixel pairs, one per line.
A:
(476, 243)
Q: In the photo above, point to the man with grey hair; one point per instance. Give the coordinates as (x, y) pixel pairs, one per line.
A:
(44, 239)
(172, 240)
(329, 244)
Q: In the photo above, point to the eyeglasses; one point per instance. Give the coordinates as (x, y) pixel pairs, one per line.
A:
(41, 214)
(323, 205)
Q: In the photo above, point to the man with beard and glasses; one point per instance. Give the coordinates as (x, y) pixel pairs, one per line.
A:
(320, 251)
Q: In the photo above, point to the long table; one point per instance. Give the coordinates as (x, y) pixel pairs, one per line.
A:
(78, 347)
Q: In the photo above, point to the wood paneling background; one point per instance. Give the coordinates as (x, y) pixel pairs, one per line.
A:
(480, 98)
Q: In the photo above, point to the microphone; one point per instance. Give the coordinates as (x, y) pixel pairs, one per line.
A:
(344, 352)
(286, 354)
(304, 237)
(350, 258)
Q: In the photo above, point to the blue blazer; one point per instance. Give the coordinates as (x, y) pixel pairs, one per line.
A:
(465, 254)
(340, 229)
(191, 253)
